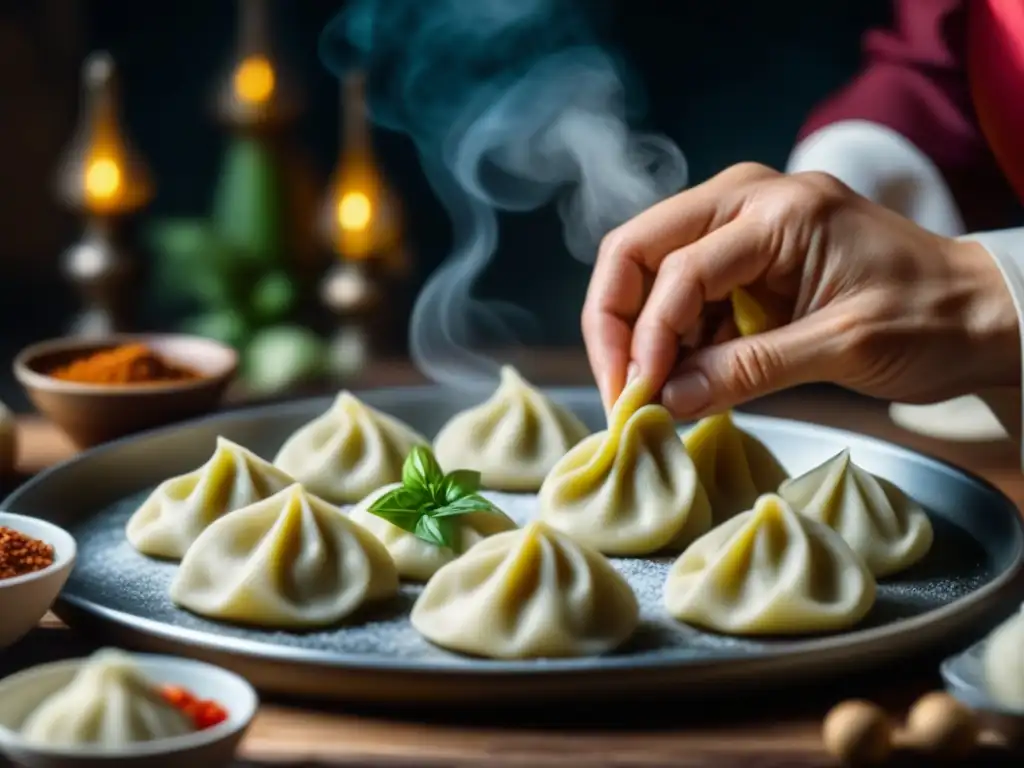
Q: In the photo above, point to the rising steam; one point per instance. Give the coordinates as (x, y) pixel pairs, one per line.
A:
(512, 106)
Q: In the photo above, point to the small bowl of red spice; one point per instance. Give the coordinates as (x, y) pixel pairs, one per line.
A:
(36, 558)
(102, 389)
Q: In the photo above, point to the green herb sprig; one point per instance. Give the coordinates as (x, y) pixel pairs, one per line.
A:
(428, 499)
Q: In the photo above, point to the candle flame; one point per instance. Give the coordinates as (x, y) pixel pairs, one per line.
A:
(254, 80)
(354, 211)
(102, 179)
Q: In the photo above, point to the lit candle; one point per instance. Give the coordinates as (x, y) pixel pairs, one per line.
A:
(101, 173)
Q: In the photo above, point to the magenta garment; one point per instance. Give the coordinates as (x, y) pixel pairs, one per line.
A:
(915, 81)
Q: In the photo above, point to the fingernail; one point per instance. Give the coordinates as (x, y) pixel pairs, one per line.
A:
(688, 394)
(632, 372)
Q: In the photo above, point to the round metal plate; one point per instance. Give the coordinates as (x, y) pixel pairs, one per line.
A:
(967, 581)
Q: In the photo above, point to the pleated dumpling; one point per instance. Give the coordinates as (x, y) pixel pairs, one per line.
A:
(513, 439)
(349, 451)
(292, 561)
(1003, 663)
(528, 593)
(180, 509)
(770, 571)
(734, 466)
(415, 558)
(108, 704)
(631, 489)
(882, 524)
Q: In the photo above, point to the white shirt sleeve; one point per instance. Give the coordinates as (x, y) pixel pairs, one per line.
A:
(884, 166)
(1007, 248)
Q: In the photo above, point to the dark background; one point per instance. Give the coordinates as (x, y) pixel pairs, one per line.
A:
(729, 80)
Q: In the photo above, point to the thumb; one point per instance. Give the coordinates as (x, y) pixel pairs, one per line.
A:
(725, 375)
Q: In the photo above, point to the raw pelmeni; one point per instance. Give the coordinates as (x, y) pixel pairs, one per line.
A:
(528, 593)
(1004, 663)
(513, 439)
(734, 466)
(181, 508)
(349, 451)
(108, 703)
(631, 489)
(880, 522)
(415, 558)
(292, 561)
(770, 571)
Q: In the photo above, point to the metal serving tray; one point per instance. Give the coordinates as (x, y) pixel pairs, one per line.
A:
(969, 581)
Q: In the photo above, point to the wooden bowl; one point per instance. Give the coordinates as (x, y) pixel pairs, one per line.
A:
(95, 413)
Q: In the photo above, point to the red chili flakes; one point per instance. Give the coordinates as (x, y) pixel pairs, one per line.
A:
(202, 712)
(21, 554)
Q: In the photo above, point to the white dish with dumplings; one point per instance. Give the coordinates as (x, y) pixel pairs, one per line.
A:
(966, 578)
(23, 693)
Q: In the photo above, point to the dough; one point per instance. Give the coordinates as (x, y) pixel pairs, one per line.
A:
(1004, 663)
(528, 593)
(181, 508)
(291, 561)
(513, 439)
(107, 704)
(734, 466)
(889, 530)
(770, 571)
(631, 489)
(349, 451)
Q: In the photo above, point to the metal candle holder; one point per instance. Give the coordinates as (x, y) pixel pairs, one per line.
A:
(104, 180)
(360, 221)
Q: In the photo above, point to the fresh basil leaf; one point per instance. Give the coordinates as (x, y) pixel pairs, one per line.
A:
(421, 469)
(430, 530)
(461, 482)
(464, 506)
(451, 533)
(401, 507)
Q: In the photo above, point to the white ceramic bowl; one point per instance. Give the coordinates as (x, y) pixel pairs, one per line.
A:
(24, 600)
(213, 747)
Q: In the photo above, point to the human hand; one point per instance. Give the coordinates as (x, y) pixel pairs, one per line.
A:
(864, 298)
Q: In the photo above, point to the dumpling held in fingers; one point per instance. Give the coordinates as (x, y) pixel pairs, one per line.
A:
(631, 489)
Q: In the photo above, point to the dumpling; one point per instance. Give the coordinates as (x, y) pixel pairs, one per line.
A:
(883, 525)
(292, 561)
(513, 439)
(734, 466)
(349, 451)
(1003, 663)
(631, 489)
(770, 571)
(529, 593)
(415, 558)
(108, 703)
(181, 508)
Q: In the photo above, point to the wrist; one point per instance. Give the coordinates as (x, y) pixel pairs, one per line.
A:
(990, 315)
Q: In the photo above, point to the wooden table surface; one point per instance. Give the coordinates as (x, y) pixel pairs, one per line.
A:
(784, 731)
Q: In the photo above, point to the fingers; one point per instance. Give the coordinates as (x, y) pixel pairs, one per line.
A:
(723, 376)
(633, 253)
(616, 293)
(705, 271)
